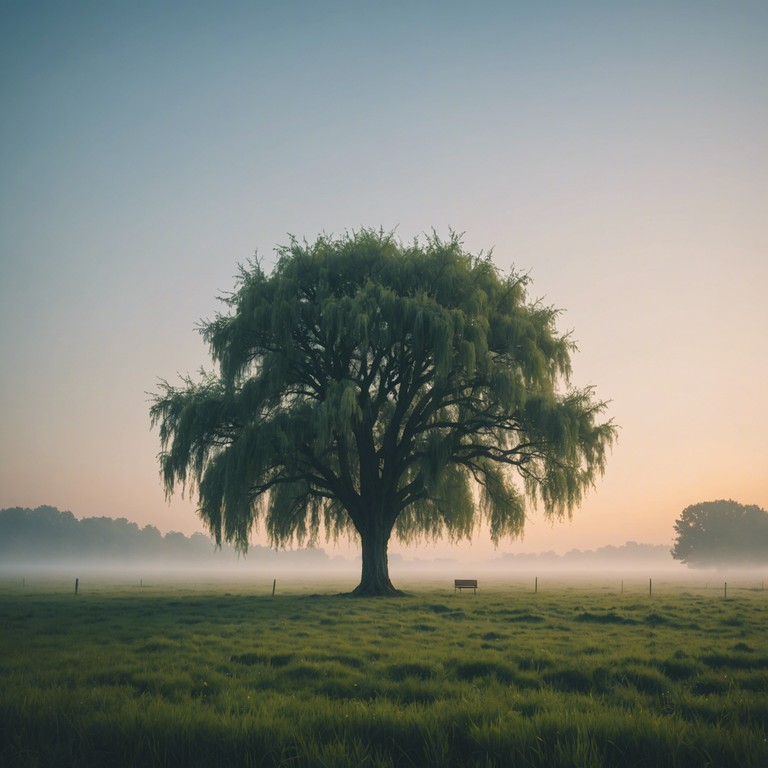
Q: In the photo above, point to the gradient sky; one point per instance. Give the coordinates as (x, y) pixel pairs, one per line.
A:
(617, 152)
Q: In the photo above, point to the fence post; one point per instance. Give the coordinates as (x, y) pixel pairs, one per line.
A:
(725, 590)
(650, 587)
(77, 584)
(536, 585)
(274, 585)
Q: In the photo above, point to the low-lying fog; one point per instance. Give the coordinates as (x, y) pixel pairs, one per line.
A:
(344, 573)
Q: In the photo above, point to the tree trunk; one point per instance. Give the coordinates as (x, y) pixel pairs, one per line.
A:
(374, 580)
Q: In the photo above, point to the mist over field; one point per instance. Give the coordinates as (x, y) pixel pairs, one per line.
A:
(49, 545)
(314, 570)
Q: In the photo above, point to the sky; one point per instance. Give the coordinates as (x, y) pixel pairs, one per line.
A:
(615, 152)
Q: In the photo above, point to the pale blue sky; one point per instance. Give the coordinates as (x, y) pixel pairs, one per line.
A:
(616, 151)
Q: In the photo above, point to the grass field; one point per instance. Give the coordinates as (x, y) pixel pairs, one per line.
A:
(227, 675)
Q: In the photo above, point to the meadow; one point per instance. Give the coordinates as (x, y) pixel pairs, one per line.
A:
(576, 674)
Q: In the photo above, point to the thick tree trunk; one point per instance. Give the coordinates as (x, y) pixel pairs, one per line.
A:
(374, 580)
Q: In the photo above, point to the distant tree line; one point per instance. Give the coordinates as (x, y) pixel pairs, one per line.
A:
(46, 533)
(722, 533)
(625, 555)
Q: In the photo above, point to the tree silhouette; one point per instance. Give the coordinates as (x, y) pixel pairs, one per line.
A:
(47, 535)
(715, 533)
(373, 388)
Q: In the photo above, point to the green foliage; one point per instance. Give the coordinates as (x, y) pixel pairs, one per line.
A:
(366, 385)
(172, 677)
(49, 535)
(716, 533)
(46, 535)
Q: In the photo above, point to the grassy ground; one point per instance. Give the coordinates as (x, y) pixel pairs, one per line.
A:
(579, 675)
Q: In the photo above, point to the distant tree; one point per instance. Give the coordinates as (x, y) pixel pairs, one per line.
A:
(375, 388)
(49, 535)
(717, 533)
(151, 541)
(45, 532)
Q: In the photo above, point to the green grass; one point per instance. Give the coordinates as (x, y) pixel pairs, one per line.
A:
(572, 676)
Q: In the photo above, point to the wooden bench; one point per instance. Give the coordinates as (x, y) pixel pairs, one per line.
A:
(459, 584)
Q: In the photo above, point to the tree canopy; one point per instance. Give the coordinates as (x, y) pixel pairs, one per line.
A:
(721, 533)
(370, 387)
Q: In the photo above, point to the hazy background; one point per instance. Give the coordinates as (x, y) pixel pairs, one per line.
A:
(615, 151)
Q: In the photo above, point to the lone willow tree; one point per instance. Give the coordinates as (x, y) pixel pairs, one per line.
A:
(365, 386)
